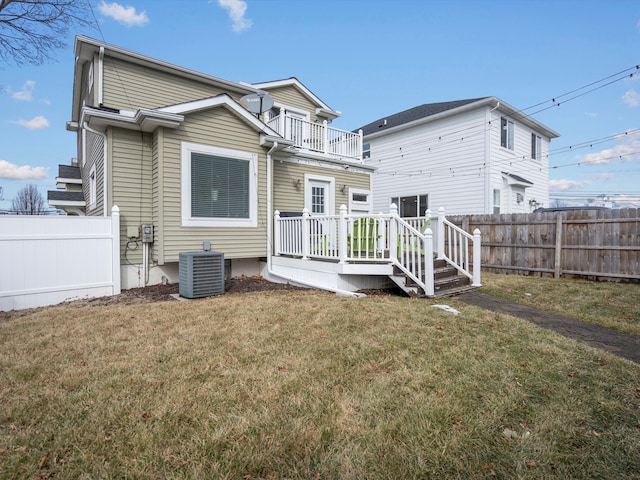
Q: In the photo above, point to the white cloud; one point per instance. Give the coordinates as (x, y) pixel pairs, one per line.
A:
(125, 15)
(36, 123)
(237, 10)
(604, 176)
(631, 98)
(628, 150)
(564, 185)
(10, 171)
(26, 94)
(591, 115)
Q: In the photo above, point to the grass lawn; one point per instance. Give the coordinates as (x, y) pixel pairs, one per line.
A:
(609, 304)
(308, 385)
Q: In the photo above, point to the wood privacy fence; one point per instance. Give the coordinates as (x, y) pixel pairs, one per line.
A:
(596, 244)
(49, 259)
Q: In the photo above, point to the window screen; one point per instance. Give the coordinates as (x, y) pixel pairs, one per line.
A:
(219, 187)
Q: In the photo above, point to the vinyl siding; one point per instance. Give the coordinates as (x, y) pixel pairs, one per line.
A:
(128, 86)
(442, 159)
(215, 127)
(95, 157)
(131, 184)
(288, 198)
(519, 162)
(292, 97)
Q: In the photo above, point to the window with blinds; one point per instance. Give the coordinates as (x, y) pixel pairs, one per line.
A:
(219, 187)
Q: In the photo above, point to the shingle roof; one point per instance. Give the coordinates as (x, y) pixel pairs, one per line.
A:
(65, 196)
(68, 171)
(413, 114)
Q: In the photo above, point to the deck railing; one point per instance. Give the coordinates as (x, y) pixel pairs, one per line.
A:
(318, 137)
(381, 238)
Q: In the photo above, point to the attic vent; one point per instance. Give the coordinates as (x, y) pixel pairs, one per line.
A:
(201, 274)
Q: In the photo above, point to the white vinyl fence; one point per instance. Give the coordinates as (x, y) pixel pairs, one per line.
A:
(46, 260)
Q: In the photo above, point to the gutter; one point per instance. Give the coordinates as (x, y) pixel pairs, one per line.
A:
(270, 271)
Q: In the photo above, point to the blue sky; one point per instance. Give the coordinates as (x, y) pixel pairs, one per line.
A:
(369, 59)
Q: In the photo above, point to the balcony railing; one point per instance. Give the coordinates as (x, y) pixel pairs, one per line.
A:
(318, 137)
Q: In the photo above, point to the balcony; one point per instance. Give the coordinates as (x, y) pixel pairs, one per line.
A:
(318, 137)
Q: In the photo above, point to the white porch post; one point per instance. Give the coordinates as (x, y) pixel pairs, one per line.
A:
(429, 287)
(477, 259)
(393, 232)
(342, 234)
(359, 151)
(440, 233)
(382, 234)
(276, 232)
(281, 122)
(325, 136)
(115, 246)
(305, 234)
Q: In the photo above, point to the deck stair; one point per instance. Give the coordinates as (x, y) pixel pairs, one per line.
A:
(447, 281)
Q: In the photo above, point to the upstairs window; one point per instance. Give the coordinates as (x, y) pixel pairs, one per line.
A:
(219, 187)
(536, 147)
(366, 151)
(507, 130)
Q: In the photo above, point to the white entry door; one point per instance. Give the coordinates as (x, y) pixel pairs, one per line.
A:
(319, 197)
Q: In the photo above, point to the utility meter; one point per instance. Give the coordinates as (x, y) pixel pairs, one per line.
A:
(146, 233)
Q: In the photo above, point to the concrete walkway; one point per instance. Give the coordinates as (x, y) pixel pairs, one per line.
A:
(622, 344)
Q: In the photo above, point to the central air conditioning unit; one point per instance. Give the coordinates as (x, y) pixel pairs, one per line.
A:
(201, 274)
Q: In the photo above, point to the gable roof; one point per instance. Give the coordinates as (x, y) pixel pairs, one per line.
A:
(433, 111)
(413, 114)
(322, 110)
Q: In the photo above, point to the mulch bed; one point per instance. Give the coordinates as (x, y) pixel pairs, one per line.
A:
(163, 293)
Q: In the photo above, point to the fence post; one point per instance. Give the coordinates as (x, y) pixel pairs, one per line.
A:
(393, 232)
(115, 252)
(306, 239)
(382, 234)
(342, 234)
(429, 288)
(557, 266)
(440, 232)
(276, 232)
(477, 257)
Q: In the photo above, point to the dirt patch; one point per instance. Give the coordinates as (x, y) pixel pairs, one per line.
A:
(159, 293)
(163, 293)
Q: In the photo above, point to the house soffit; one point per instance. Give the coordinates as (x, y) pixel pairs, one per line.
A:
(516, 180)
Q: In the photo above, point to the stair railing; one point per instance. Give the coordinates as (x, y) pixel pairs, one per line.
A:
(411, 251)
(453, 247)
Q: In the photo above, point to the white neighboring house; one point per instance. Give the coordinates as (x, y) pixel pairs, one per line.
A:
(470, 156)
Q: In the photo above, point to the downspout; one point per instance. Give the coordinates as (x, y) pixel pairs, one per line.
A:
(269, 235)
(104, 164)
(100, 75)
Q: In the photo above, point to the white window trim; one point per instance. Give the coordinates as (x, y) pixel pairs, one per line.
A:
(368, 205)
(538, 146)
(186, 150)
(309, 177)
(513, 139)
(93, 188)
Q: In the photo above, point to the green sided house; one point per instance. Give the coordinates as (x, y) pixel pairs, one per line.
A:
(178, 151)
(199, 166)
